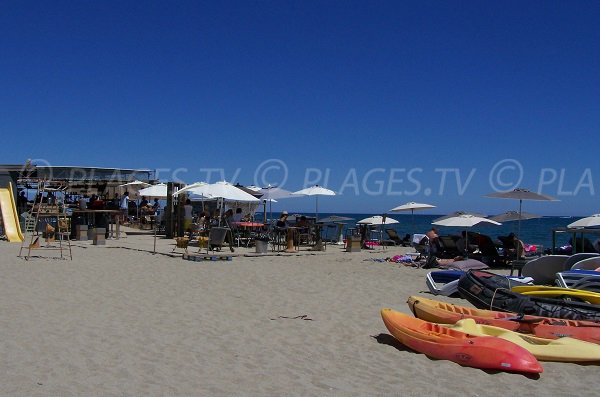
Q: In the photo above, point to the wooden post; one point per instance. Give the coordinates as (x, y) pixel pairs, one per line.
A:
(168, 215)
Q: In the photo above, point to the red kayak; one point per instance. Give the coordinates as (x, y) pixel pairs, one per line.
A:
(437, 341)
(542, 327)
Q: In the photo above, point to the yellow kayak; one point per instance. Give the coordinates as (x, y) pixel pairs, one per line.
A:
(558, 293)
(563, 349)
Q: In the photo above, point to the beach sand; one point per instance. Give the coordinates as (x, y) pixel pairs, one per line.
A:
(120, 321)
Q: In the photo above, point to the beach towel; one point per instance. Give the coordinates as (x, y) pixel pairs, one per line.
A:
(464, 265)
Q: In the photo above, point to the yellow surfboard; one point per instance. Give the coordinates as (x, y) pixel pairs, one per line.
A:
(558, 292)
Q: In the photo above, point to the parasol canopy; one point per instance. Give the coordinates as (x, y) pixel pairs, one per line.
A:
(588, 221)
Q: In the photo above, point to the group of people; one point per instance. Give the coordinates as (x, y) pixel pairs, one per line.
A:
(511, 243)
(204, 220)
(125, 204)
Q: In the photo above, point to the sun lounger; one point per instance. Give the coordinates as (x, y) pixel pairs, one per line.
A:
(587, 264)
(573, 259)
(543, 269)
(579, 279)
(444, 282)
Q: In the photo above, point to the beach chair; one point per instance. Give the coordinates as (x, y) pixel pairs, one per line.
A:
(444, 282)
(216, 238)
(543, 269)
(448, 248)
(393, 236)
(420, 243)
(587, 264)
(573, 259)
(488, 252)
(277, 236)
(579, 279)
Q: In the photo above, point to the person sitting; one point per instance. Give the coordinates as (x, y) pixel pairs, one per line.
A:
(203, 221)
(511, 246)
(282, 222)
(434, 241)
(144, 202)
(238, 216)
(156, 205)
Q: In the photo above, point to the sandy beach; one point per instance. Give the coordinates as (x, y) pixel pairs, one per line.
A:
(120, 321)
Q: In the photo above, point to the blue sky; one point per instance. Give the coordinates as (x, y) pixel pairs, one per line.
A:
(382, 101)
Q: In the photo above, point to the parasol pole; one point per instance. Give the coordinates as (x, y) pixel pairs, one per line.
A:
(519, 225)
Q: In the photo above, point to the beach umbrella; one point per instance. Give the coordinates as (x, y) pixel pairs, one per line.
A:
(335, 219)
(521, 194)
(589, 221)
(273, 193)
(377, 220)
(224, 190)
(316, 191)
(189, 189)
(134, 185)
(155, 191)
(412, 206)
(458, 213)
(464, 220)
(513, 216)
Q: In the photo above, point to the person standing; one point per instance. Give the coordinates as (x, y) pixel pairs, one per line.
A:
(188, 216)
(125, 206)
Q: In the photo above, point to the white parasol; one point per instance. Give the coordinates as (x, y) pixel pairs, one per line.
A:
(588, 221)
(316, 191)
(412, 206)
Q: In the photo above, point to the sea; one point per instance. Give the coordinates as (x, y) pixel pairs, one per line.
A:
(533, 231)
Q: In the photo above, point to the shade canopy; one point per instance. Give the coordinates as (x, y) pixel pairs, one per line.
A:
(465, 220)
(513, 216)
(335, 218)
(276, 193)
(155, 191)
(134, 187)
(224, 190)
(377, 220)
(588, 221)
(316, 191)
(189, 189)
(271, 194)
(458, 213)
(135, 184)
(521, 194)
(411, 206)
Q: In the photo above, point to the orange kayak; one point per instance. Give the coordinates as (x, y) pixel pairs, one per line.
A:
(437, 341)
(542, 327)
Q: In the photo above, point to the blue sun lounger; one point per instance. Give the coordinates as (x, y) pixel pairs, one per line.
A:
(579, 279)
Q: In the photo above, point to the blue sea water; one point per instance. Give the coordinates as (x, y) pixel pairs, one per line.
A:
(533, 231)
